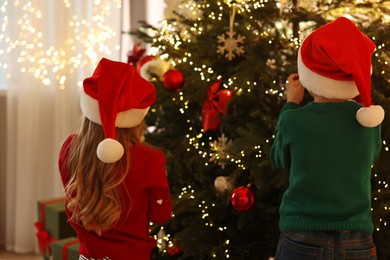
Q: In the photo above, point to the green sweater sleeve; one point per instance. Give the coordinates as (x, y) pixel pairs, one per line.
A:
(280, 152)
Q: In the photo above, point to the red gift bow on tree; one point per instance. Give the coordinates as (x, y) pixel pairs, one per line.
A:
(215, 104)
(134, 56)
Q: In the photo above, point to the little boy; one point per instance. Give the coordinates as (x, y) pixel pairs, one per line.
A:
(329, 146)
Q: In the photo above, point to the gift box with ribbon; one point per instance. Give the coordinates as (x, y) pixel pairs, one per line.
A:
(65, 249)
(52, 223)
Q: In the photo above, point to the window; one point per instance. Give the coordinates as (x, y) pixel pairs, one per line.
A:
(134, 11)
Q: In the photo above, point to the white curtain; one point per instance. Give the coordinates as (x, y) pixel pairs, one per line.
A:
(50, 47)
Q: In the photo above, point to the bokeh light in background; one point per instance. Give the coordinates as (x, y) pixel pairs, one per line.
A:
(80, 38)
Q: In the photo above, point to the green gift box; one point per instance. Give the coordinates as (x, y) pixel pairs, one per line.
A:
(65, 249)
(51, 213)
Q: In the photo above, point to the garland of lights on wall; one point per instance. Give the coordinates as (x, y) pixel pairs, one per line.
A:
(50, 64)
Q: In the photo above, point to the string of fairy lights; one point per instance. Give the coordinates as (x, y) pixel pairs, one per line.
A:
(52, 65)
(49, 64)
(171, 34)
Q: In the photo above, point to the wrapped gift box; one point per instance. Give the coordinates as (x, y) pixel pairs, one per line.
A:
(51, 213)
(52, 224)
(65, 249)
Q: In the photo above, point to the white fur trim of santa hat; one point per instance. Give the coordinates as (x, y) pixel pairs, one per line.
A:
(323, 86)
(124, 119)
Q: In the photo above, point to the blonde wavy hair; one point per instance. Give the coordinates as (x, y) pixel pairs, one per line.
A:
(94, 199)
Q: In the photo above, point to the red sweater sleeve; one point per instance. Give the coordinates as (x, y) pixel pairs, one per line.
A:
(160, 205)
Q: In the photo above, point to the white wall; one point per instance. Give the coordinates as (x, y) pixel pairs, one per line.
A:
(134, 11)
(2, 163)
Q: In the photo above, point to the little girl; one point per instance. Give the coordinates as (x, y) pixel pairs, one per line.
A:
(115, 184)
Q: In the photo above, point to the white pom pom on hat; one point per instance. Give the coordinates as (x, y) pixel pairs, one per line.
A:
(334, 61)
(115, 96)
(110, 150)
(370, 116)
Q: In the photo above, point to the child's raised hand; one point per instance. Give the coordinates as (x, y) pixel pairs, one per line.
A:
(295, 90)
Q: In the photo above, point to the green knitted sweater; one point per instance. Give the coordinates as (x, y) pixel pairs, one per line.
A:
(329, 155)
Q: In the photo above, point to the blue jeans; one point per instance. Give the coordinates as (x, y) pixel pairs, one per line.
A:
(335, 245)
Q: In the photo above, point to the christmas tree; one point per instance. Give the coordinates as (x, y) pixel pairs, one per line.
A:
(220, 67)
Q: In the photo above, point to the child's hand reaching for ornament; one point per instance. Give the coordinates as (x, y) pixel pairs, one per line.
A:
(294, 88)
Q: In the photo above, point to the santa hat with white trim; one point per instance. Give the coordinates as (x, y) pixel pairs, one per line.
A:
(115, 96)
(334, 62)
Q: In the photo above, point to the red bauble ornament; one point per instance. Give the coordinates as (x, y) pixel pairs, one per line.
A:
(173, 79)
(242, 198)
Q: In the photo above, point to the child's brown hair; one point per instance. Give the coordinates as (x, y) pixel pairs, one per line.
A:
(93, 196)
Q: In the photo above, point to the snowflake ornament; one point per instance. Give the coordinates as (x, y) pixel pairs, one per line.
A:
(219, 150)
(230, 46)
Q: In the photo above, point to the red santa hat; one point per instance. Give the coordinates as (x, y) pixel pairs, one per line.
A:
(334, 62)
(115, 96)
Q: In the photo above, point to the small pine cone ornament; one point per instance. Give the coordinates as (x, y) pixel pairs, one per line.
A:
(242, 198)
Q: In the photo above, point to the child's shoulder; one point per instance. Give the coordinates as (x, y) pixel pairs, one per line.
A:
(68, 140)
(292, 112)
(148, 149)
(144, 153)
(320, 107)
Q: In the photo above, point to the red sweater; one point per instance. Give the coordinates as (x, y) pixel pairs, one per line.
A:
(148, 187)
